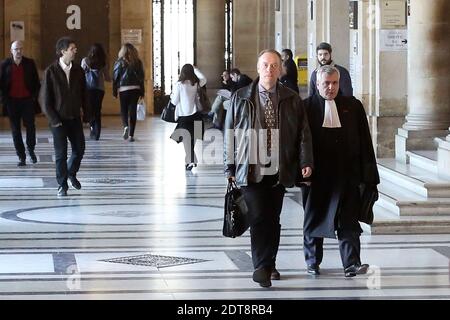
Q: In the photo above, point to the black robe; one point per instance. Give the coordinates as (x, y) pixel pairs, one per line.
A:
(344, 160)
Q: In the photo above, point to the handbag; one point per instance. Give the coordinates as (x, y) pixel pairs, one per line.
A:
(235, 221)
(141, 110)
(168, 113)
(204, 105)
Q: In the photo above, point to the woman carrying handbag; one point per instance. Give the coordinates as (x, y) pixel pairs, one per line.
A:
(188, 110)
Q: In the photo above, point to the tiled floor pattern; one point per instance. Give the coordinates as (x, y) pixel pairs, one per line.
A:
(143, 228)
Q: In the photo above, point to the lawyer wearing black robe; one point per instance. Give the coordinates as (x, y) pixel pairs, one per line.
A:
(344, 159)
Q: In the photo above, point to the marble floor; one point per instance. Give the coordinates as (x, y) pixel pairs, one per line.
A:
(143, 228)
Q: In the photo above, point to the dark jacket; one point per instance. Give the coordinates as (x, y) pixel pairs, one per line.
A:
(291, 72)
(32, 81)
(244, 80)
(288, 83)
(126, 75)
(338, 176)
(345, 82)
(59, 101)
(295, 148)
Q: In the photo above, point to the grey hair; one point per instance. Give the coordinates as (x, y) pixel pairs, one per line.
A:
(328, 70)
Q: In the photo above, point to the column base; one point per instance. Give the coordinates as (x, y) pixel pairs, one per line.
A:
(443, 156)
(408, 140)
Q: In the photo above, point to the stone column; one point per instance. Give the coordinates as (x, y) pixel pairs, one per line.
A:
(251, 36)
(390, 76)
(428, 77)
(28, 11)
(2, 27)
(137, 14)
(210, 47)
(330, 23)
(291, 26)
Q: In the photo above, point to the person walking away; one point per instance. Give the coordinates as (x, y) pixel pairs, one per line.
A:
(94, 66)
(128, 82)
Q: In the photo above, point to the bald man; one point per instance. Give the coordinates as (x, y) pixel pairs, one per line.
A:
(19, 90)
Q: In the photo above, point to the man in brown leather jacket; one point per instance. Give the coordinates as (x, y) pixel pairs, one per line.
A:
(267, 147)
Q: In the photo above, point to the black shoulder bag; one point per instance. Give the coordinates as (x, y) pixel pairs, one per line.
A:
(168, 113)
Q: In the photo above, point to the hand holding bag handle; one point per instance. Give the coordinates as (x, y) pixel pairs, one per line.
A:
(235, 221)
(168, 113)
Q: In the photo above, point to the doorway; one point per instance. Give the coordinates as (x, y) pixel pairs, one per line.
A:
(173, 40)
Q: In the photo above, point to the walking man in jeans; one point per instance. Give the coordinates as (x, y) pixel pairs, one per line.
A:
(65, 103)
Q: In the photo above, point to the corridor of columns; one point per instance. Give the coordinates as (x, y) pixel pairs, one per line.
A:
(144, 228)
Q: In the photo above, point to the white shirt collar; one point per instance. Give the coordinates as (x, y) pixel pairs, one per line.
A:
(331, 116)
(66, 68)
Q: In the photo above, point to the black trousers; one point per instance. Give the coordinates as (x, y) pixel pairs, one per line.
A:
(18, 110)
(128, 107)
(95, 101)
(264, 201)
(71, 130)
(349, 248)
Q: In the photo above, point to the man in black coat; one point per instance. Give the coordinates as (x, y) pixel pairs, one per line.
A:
(65, 97)
(19, 88)
(290, 76)
(344, 164)
(239, 79)
(267, 147)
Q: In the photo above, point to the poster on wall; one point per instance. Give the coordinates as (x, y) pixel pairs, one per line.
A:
(85, 21)
(393, 13)
(17, 31)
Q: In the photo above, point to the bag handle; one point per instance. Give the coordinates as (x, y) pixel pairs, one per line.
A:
(231, 185)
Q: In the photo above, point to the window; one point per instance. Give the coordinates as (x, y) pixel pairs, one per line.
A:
(173, 40)
(228, 34)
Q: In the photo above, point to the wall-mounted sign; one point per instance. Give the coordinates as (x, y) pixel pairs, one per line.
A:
(133, 36)
(394, 40)
(393, 13)
(17, 31)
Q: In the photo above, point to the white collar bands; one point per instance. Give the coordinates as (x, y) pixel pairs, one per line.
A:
(331, 116)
